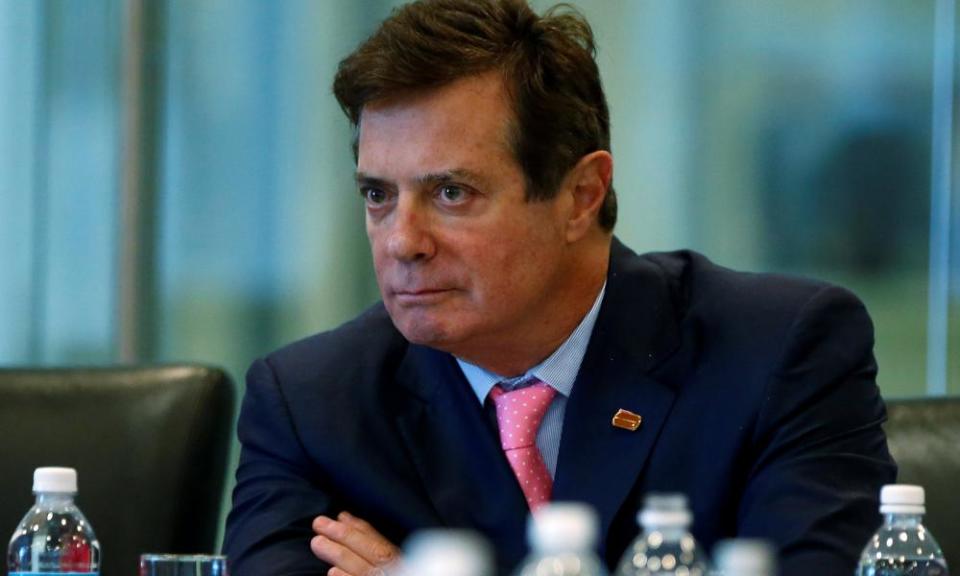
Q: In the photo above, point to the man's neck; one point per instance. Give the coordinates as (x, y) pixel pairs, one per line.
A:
(516, 354)
(559, 370)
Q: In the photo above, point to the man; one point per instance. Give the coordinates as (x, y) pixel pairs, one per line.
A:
(483, 161)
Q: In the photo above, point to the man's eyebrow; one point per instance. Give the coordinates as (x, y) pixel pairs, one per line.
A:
(452, 175)
(367, 180)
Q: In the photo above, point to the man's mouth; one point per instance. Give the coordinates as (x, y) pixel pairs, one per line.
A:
(420, 295)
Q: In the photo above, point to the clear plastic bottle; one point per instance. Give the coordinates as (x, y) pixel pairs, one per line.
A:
(562, 538)
(444, 553)
(54, 537)
(744, 557)
(665, 545)
(902, 546)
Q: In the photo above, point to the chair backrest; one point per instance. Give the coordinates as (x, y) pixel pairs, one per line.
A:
(924, 439)
(150, 446)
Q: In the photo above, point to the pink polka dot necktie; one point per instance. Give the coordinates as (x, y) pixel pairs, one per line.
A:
(519, 414)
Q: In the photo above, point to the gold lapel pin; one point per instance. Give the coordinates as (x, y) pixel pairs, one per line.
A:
(627, 420)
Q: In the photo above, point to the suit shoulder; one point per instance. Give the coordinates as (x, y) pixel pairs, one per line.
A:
(363, 344)
(705, 286)
(756, 311)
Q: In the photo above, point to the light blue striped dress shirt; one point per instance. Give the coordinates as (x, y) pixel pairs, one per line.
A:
(559, 370)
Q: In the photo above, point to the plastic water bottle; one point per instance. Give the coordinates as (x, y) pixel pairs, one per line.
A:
(562, 537)
(54, 537)
(444, 553)
(902, 546)
(665, 545)
(744, 557)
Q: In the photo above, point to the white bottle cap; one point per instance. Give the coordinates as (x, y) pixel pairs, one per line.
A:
(902, 499)
(52, 479)
(563, 526)
(745, 557)
(445, 553)
(665, 511)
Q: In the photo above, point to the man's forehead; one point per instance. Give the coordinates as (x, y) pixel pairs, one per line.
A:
(450, 130)
(487, 84)
(463, 99)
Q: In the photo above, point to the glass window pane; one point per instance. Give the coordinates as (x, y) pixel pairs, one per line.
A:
(782, 136)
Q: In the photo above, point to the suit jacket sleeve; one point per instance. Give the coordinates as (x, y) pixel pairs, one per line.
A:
(820, 454)
(277, 494)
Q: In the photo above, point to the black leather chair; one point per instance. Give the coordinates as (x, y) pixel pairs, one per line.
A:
(924, 438)
(150, 446)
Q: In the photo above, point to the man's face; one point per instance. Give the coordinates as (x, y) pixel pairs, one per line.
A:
(464, 263)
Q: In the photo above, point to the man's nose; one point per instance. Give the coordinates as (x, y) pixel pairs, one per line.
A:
(410, 237)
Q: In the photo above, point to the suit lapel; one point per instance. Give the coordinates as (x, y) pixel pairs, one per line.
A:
(635, 331)
(465, 474)
(599, 463)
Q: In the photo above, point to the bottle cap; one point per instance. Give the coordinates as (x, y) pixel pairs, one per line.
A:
(902, 499)
(52, 479)
(745, 557)
(446, 553)
(665, 511)
(563, 526)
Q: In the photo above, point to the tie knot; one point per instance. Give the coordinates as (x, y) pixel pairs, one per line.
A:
(519, 413)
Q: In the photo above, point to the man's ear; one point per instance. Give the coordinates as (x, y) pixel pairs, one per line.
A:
(588, 183)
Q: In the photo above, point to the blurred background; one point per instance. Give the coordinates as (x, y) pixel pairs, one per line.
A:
(176, 177)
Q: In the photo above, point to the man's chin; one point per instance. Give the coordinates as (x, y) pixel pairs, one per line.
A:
(425, 333)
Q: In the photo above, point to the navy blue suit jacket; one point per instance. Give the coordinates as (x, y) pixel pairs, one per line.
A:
(758, 399)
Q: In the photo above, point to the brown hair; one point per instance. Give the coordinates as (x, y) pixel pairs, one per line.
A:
(548, 61)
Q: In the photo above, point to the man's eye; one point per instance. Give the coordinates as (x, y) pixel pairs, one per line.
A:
(449, 193)
(374, 195)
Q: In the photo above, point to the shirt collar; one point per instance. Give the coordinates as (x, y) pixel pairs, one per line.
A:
(559, 370)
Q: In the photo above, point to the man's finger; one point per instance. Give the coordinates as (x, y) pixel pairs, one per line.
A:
(343, 560)
(338, 572)
(359, 523)
(357, 537)
(382, 550)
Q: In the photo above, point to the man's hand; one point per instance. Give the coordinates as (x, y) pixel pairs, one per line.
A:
(352, 546)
